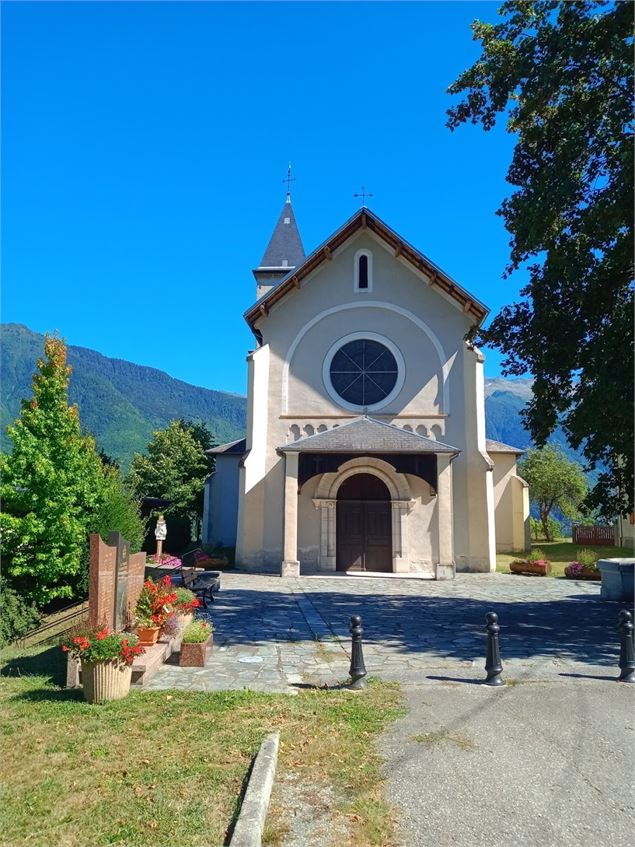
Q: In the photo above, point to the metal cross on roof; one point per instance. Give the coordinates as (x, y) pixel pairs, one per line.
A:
(289, 179)
(363, 194)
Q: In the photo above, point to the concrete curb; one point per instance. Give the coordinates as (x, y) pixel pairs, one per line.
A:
(251, 819)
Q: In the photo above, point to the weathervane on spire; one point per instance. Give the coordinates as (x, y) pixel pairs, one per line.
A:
(289, 179)
(363, 194)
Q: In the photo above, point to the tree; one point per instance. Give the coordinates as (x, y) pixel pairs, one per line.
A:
(562, 73)
(118, 510)
(175, 468)
(51, 484)
(554, 481)
(201, 433)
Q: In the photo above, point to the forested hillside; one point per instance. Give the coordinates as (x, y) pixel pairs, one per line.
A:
(120, 403)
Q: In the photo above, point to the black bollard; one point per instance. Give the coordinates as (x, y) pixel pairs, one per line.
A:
(627, 656)
(358, 668)
(493, 664)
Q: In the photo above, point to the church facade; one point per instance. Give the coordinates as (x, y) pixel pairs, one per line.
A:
(365, 446)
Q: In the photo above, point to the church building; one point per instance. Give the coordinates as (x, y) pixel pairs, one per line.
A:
(365, 446)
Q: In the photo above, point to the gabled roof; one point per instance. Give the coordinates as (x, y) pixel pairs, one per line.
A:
(364, 218)
(238, 446)
(366, 435)
(498, 447)
(285, 248)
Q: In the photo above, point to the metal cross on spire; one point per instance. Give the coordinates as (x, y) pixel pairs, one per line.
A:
(289, 179)
(363, 194)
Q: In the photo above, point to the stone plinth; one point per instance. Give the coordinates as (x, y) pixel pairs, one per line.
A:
(617, 579)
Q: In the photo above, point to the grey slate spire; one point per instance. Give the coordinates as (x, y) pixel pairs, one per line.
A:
(284, 251)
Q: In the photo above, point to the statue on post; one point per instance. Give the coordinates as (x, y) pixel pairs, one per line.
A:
(160, 533)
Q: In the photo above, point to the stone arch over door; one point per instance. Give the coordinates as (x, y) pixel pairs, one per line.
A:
(401, 502)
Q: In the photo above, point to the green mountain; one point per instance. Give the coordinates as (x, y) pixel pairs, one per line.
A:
(120, 403)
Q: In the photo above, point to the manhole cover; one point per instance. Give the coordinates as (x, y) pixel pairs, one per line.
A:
(250, 660)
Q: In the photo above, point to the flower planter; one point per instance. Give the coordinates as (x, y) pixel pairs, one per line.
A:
(582, 573)
(194, 655)
(148, 635)
(103, 681)
(540, 568)
(184, 620)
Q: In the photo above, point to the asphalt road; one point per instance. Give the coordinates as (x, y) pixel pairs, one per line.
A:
(533, 763)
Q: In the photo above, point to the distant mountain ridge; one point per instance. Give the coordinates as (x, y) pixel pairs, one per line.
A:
(122, 404)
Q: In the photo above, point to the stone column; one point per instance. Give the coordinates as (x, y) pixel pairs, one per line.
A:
(400, 557)
(446, 568)
(290, 563)
(328, 534)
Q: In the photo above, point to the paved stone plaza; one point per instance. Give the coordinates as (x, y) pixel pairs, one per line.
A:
(274, 634)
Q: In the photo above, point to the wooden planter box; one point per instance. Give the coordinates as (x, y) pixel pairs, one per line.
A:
(538, 568)
(194, 655)
(585, 573)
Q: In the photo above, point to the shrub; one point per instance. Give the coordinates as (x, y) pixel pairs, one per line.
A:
(536, 555)
(17, 616)
(197, 632)
(119, 511)
(587, 558)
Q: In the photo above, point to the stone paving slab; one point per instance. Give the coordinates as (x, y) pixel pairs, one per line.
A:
(275, 634)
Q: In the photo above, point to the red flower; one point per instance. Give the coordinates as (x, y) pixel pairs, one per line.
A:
(65, 648)
(101, 634)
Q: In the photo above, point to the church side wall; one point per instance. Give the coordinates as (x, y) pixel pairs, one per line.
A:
(504, 470)
(221, 502)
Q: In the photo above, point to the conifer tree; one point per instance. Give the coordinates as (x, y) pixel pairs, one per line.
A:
(51, 487)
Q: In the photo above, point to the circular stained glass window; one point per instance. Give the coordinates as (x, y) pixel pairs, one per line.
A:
(363, 372)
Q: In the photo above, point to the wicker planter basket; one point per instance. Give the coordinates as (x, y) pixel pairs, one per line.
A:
(585, 573)
(541, 568)
(194, 655)
(103, 681)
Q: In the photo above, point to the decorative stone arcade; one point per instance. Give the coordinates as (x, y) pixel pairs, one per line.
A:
(334, 470)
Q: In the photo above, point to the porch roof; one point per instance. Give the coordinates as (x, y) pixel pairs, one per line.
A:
(367, 435)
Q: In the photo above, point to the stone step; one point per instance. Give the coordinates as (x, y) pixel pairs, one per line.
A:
(145, 666)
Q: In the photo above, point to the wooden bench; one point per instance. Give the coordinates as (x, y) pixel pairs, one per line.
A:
(203, 583)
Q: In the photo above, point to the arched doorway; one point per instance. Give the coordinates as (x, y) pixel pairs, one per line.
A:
(364, 533)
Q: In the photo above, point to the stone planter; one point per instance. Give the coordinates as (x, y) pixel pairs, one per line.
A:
(103, 681)
(184, 620)
(194, 655)
(148, 635)
(540, 568)
(617, 579)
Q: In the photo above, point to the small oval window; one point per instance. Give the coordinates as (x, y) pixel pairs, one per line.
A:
(362, 279)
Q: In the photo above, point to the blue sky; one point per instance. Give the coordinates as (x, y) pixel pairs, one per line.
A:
(144, 147)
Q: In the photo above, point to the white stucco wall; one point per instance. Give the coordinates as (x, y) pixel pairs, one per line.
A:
(441, 397)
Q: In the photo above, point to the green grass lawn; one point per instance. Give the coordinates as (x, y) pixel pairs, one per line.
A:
(167, 767)
(560, 553)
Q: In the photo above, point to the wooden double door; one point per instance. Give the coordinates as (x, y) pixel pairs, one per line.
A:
(364, 525)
